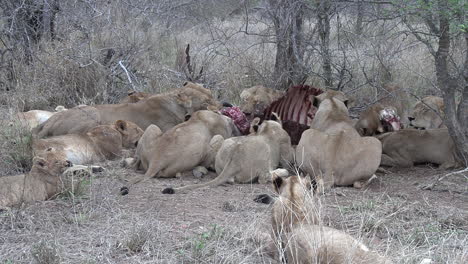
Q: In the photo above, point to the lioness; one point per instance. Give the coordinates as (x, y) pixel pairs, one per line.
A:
(249, 158)
(165, 111)
(406, 147)
(297, 233)
(256, 99)
(34, 118)
(428, 113)
(389, 114)
(333, 151)
(100, 143)
(183, 147)
(378, 119)
(41, 183)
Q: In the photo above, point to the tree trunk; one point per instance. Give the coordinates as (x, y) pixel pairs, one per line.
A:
(455, 119)
(323, 13)
(288, 17)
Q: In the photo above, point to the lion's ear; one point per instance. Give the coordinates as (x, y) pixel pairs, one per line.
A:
(39, 162)
(185, 83)
(274, 117)
(121, 125)
(255, 124)
(346, 102)
(277, 178)
(130, 92)
(277, 182)
(315, 102)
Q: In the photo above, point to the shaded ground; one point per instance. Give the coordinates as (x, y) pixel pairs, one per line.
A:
(223, 225)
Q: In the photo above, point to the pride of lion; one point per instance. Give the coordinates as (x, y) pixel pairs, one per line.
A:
(187, 128)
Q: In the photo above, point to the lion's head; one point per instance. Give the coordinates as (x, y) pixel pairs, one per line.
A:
(428, 113)
(131, 133)
(256, 99)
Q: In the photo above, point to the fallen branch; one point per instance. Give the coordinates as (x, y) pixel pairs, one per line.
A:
(431, 186)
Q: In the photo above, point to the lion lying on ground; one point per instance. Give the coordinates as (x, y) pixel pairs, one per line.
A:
(407, 147)
(333, 152)
(428, 113)
(183, 147)
(134, 96)
(297, 232)
(100, 143)
(165, 111)
(249, 158)
(44, 181)
(32, 119)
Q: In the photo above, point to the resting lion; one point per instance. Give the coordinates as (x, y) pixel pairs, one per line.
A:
(249, 158)
(256, 99)
(33, 118)
(410, 146)
(41, 183)
(100, 143)
(428, 113)
(183, 147)
(333, 152)
(297, 232)
(164, 110)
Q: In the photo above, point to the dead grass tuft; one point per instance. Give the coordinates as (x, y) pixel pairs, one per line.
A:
(16, 148)
(45, 253)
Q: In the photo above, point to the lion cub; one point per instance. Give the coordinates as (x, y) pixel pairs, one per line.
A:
(300, 238)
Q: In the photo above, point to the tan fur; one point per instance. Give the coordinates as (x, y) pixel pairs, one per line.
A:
(165, 111)
(256, 99)
(296, 228)
(34, 118)
(395, 98)
(369, 123)
(41, 183)
(332, 117)
(248, 158)
(334, 94)
(409, 146)
(333, 151)
(100, 143)
(198, 87)
(428, 113)
(134, 97)
(183, 147)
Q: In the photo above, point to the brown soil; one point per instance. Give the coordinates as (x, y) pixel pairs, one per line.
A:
(393, 216)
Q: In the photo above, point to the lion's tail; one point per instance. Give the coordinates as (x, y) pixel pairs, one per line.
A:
(223, 177)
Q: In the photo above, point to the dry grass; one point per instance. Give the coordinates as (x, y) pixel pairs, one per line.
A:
(222, 225)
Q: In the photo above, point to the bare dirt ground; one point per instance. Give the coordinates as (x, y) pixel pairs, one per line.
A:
(394, 216)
